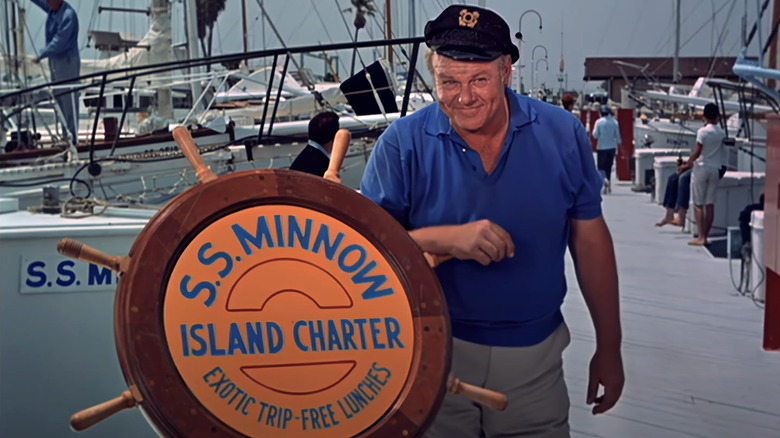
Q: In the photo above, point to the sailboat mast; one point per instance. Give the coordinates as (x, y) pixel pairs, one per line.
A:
(7, 26)
(191, 23)
(21, 21)
(21, 24)
(389, 31)
(676, 66)
(246, 32)
(162, 52)
(412, 19)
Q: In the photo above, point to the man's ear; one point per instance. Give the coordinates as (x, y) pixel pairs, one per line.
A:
(507, 70)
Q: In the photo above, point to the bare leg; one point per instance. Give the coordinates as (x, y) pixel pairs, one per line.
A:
(680, 219)
(667, 219)
(709, 217)
(702, 226)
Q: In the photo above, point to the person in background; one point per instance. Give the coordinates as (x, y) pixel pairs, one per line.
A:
(462, 176)
(567, 102)
(707, 162)
(62, 31)
(677, 196)
(315, 157)
(744, 218)
(607, 132)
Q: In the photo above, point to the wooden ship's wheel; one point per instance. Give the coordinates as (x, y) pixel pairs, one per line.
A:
(273, 303)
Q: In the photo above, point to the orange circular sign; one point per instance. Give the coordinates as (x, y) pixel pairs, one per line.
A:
(274, 303)
(283, 321)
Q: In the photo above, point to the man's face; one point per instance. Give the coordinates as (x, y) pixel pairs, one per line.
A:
(54, 4)
(470, 93)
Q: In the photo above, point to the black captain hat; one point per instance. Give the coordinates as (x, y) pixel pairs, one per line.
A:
(470, 33)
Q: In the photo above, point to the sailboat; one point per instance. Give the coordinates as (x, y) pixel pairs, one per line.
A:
(269, 131)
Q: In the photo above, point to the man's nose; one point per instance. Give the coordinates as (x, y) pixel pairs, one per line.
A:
(466, 94)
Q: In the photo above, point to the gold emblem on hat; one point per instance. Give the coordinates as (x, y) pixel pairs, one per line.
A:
(468, 18)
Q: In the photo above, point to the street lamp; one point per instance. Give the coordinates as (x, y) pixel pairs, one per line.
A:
(520, 24)
(534, 51)
(519, 36)
(533, 57)
(536, 67)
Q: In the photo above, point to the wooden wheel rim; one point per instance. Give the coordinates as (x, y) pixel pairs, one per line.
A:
(143, 350)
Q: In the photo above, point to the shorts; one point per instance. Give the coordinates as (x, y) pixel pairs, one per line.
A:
(704, 183)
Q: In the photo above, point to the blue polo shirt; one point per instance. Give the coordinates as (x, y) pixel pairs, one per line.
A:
(424, 174)
(62, 31)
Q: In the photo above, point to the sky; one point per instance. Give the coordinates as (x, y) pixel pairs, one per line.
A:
(571, 29)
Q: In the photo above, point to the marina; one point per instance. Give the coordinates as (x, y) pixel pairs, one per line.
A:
(701, 324)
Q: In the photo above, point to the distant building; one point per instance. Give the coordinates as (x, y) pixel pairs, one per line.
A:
(615, 71)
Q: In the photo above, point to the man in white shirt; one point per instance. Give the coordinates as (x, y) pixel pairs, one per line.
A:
(607, 132)
(707, 159)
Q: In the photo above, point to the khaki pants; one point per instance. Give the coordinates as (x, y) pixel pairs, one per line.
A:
(531, 378)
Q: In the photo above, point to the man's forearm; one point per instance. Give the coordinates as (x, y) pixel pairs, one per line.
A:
(435, 240)
(42, 4)
(596, 269)
(695, 155)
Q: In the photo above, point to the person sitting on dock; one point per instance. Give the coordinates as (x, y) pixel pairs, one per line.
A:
(707, 161)
(314, 158)
(677, 196)
(62, 31)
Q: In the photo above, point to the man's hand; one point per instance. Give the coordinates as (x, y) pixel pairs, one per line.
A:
(35, 60)
(483, 241)
(606, 371)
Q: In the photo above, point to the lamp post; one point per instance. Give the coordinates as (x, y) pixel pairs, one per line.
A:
(536, 47)
(519, 36)
(536, 67)
(533, 57)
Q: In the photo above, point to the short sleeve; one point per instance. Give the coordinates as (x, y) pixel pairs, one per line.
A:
(585, 178)
(700, 135)
(385, 179)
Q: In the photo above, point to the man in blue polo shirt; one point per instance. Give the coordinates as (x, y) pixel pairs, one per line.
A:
(62, 31)
(504, 184)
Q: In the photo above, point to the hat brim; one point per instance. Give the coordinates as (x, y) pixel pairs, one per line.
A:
(468, 53)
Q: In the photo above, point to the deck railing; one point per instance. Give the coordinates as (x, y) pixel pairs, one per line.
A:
(128, 79)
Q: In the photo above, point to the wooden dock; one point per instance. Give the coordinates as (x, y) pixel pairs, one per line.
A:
(691, 343)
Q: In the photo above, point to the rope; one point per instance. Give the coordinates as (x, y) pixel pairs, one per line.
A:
(77, 207)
